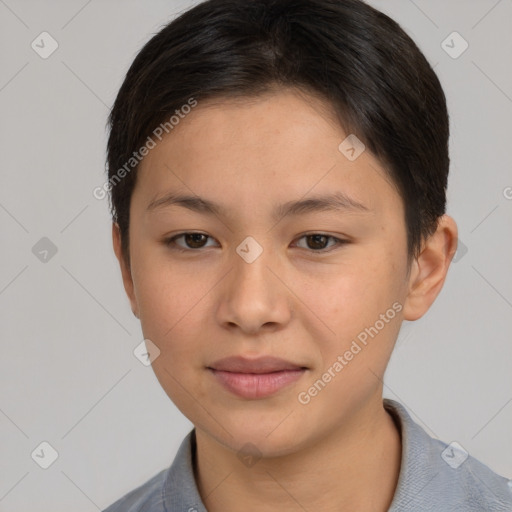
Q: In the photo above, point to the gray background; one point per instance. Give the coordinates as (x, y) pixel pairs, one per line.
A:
(67, 369)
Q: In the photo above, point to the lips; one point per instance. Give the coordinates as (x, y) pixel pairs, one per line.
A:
(255, 378)
(238, 364)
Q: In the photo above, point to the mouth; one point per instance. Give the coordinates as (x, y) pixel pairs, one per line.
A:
(255, 378)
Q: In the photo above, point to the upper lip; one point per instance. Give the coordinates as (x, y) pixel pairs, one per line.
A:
(265, 364)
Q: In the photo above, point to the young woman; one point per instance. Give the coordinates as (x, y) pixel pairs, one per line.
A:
(278, 173)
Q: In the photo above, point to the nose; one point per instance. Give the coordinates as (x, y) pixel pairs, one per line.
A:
(253, 297)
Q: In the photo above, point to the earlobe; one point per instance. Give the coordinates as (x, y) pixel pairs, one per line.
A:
(125, 268)
(429, 270)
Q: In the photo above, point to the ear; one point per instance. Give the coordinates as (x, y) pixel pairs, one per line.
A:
(429, 270)
(125, 269)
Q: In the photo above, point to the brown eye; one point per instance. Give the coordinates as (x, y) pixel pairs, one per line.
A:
(190, 242)
(318, 242)
(195, 240)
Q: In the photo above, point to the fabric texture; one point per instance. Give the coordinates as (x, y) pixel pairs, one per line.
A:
(434, 477)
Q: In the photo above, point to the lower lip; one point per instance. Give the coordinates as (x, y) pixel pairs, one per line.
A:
(257, 385)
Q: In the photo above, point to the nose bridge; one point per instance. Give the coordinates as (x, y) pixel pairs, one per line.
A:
(253, 296)
(250, 268)
(252, 278)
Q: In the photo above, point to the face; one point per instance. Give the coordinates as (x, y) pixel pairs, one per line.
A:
(295, 252)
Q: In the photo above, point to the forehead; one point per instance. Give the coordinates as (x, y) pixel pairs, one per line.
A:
(278, 146)
(283, 112)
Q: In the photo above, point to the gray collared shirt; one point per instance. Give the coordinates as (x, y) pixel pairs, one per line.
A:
(434, 477)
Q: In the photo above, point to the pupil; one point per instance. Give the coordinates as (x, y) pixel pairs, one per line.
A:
(318, 239)
(192, 238)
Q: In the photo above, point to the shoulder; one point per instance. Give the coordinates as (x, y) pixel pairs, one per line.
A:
(436, 476)
(170, 490)
(147, 497)
(469, 484)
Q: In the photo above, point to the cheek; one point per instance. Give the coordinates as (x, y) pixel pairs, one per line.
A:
(349, 302)
(163, 289)
(349, 293)
(172, 309)
(171, 305)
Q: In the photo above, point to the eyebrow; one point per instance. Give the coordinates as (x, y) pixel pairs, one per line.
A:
(332, 202)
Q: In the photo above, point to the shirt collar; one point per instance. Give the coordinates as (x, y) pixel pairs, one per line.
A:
(420, 465)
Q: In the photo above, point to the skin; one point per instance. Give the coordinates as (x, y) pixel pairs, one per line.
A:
(291, 302)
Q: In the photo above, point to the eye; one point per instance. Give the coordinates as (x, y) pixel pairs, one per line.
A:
(317, 242)
(192, 241)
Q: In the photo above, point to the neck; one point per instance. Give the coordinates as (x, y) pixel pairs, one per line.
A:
(354, 467)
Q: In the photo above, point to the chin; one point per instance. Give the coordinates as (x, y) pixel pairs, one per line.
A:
(268, 437)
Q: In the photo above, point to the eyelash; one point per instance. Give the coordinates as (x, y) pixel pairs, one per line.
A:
(171, 242)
